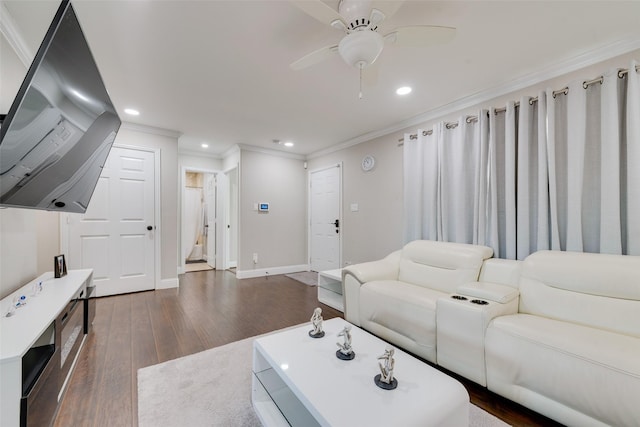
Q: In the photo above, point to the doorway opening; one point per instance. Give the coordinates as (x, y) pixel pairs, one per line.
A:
(198, 221)
(209, 220)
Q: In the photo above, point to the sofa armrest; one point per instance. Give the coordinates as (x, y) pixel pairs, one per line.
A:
(384, 269)
(356, 275)
(495, 292)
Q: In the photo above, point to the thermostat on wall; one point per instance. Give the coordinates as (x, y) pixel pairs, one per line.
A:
(263, 207)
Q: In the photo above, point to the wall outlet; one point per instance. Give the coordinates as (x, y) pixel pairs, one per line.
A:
(255, 258)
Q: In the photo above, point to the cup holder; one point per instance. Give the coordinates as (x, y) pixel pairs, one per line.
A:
(479, 302)
(459, 297)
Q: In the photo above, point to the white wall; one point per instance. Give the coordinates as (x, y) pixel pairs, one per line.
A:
(279, 236)
(376, 229)
(29, 239)
(18, 242)
(12, 71)
(232, 158)
(47, 227)
(198, 162)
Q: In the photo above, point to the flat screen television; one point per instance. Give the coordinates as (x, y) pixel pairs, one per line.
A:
(57, 134)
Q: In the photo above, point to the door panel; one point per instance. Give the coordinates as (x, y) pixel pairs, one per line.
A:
(210, 199)
(112, 236)
(325, 219)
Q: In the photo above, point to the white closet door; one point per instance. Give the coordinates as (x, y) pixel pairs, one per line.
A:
(115, 237)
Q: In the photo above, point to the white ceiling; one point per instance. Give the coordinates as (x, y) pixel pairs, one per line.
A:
(218, 71)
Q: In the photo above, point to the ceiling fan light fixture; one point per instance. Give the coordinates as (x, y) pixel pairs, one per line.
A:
(361, 48)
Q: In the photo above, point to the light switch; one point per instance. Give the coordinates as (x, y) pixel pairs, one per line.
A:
(354, 207)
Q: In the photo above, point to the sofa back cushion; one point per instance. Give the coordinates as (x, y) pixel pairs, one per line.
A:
(441, 265)
(501, 271)
(597, 290)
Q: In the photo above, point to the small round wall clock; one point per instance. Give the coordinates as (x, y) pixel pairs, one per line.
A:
(368, 162)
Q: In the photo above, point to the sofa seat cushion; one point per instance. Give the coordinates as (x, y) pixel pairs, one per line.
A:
(401, 313)
(570, 372)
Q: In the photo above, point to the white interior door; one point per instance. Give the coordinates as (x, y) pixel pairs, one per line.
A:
(325, 218)
(210, 200)
(115, 237)
(231, 218)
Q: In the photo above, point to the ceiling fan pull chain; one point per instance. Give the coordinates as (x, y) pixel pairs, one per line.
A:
(360, 94)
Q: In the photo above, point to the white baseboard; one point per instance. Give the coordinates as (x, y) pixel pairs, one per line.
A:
(168, 283)
(262, 272)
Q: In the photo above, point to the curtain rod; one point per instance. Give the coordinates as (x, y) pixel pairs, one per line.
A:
(565, 90)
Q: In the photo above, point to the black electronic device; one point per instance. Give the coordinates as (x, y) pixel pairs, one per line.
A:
(57, 134)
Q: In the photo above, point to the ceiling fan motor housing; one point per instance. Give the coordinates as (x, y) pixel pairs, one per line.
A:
(355, 10)
(361, 48)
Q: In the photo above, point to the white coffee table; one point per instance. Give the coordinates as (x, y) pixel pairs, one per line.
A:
(299, 381)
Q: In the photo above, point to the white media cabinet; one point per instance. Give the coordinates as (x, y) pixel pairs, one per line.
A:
(45, 337)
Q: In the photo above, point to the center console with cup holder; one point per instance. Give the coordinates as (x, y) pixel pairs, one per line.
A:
(462, 320)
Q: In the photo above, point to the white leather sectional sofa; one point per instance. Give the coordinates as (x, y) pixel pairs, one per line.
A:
(558, 332)
(395, 298)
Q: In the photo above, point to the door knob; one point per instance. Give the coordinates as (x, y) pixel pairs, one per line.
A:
(149, 227)
(337, 223)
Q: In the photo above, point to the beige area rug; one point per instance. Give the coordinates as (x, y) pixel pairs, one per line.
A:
(309, 278)
(197, 266)
(213, 388)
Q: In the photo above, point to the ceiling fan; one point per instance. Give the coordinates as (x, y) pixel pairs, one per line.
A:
(362, 43)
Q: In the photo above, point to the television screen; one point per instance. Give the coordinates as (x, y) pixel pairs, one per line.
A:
(57, 134)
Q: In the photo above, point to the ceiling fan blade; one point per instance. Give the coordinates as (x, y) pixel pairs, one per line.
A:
(314, 57)
(421, 35)
(318, 10)
(389, 8)
(376, 17)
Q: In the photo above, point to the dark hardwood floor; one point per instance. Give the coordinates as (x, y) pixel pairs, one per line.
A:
(210, 309)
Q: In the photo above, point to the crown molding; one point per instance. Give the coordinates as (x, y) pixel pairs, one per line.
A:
(253, 148)
(13, 36)
(151, 129)
(230, 151)
(586, 59)
(199, 154)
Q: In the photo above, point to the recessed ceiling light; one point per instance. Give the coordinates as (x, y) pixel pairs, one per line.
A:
(132, 112)
(403, 90)
(204, 145)
(288, 144)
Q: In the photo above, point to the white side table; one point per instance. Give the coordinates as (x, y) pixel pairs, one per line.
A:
(330, 288)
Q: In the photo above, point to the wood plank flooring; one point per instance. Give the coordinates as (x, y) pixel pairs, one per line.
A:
(210, 309)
